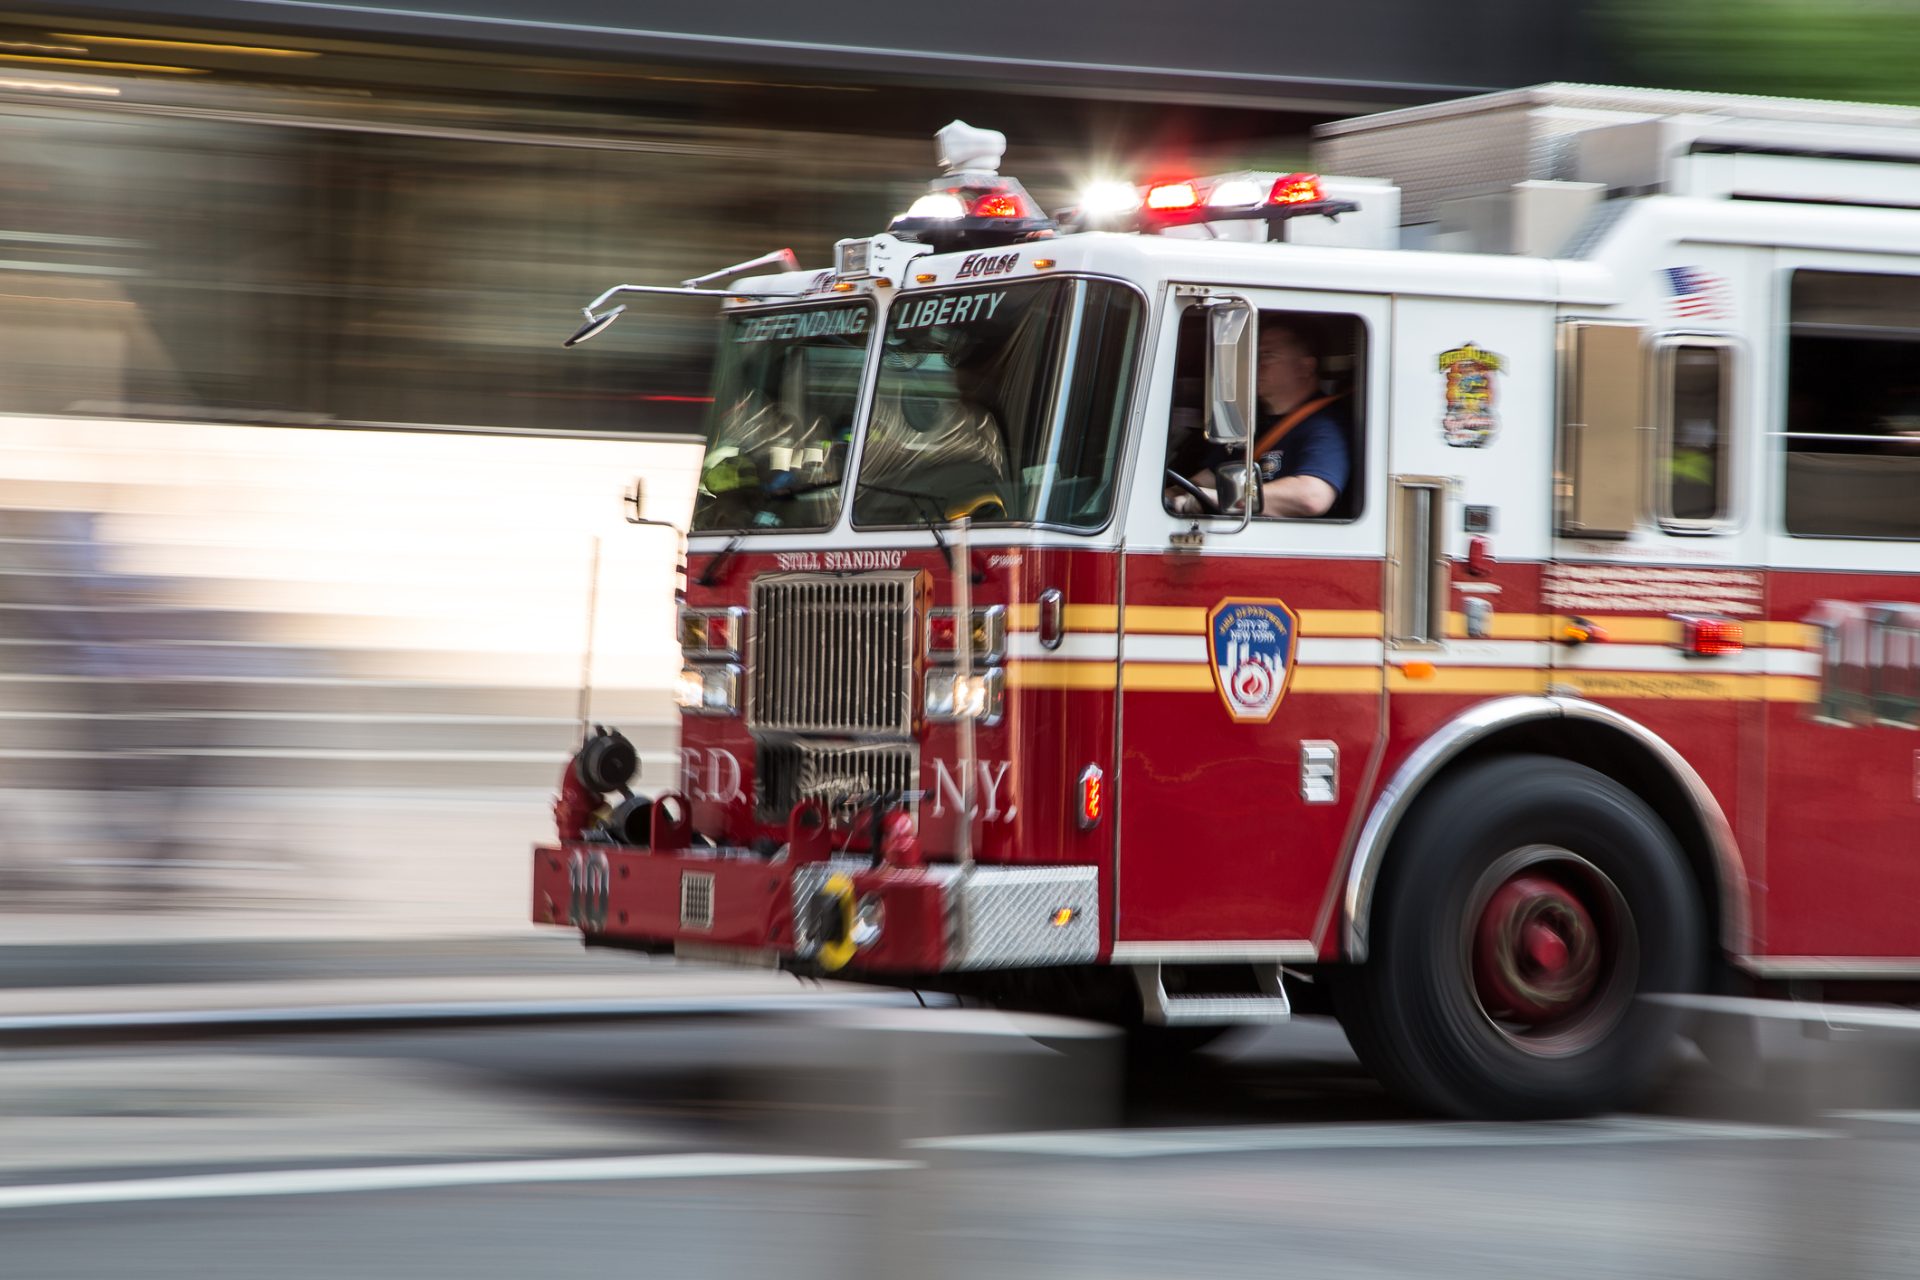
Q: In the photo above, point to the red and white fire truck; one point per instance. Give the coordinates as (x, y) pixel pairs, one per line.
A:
(1597, 677)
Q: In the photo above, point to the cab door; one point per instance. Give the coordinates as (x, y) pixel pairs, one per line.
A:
(1250, 672)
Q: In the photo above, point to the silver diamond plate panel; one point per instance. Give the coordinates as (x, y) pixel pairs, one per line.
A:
(808, 879)
(997, 917)
(1002, 917)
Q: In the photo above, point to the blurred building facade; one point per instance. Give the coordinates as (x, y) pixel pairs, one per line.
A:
(301, 502)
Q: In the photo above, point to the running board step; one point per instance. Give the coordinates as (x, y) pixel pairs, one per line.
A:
(1166, 1010)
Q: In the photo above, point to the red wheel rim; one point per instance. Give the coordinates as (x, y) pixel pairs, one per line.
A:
(1550, 950)
(1536, 952)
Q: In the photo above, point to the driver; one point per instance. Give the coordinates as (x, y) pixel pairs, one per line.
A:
(1300, 444)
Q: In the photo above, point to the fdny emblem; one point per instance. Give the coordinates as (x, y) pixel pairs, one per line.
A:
(1469, 422)
(1250, 648)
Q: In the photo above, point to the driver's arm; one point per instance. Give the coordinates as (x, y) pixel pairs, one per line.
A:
(1297, 496)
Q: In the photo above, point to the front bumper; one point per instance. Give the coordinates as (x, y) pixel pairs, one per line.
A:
(931, 919)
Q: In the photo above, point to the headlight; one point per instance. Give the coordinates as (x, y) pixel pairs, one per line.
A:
(709, 691)
(954, 695)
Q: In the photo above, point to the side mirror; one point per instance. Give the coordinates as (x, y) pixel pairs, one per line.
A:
(1231, 335)
(1236, 486)
(594, 325)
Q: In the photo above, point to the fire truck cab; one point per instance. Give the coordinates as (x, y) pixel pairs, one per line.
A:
(1470, 595)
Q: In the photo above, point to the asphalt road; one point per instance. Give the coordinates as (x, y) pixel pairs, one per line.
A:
(870, 1144)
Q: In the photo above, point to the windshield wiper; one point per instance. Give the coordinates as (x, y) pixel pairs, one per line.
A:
(930, 512)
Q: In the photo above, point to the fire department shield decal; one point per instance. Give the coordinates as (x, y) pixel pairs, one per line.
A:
(1250, 648)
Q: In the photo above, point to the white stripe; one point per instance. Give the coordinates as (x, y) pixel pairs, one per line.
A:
(1661, 658)
(1790, 662)
(1138, 1144)
(1100, 647)
(1328, 651)
(309, 1182)
(1146, 647)
(1487, 653)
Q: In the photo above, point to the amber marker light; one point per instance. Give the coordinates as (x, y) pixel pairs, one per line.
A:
(925, 277)
(1043, 264)
(1418, 670)
(1063, 917)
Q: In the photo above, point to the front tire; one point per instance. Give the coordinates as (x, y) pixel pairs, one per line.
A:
(1530, 903)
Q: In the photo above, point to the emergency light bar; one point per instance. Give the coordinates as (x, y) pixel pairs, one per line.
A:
(1185, 201)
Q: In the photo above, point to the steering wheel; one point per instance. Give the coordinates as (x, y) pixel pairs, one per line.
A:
(1199, 495)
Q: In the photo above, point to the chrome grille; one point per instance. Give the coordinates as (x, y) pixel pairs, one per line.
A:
(832, 655)
(789, 772)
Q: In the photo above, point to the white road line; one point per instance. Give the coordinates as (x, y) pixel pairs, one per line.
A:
(311, 1182)
(1139, 1144)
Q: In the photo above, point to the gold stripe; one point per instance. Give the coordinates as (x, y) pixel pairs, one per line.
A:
(1062, 675)
(1634, 629)
(1183, 620)
(1167, 619)
(1783, 635)
(1365, 623)
(1664, 686)
(1092, 617)
(1195, 677)
(1470, 680)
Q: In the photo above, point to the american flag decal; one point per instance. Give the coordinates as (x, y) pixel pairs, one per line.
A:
(1697, 294)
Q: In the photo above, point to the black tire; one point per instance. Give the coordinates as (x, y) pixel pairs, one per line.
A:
(1472, 1001)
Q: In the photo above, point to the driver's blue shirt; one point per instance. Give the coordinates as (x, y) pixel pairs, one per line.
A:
(1317, 446)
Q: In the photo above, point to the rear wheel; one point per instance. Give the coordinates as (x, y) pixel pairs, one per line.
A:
(1530, 903)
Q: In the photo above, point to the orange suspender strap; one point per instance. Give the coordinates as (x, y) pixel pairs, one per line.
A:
(1278, 431)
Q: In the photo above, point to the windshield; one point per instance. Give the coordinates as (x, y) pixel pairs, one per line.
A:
(1001, 403)
(784, 393)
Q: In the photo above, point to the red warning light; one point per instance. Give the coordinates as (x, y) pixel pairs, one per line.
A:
(998, 205)
(1297, 188)
(1712, 637)
(1173, 195)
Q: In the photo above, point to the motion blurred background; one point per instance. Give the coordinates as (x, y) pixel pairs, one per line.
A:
(312, 553)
